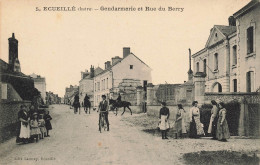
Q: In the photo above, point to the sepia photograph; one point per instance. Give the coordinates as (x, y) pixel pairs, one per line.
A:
(138, 82)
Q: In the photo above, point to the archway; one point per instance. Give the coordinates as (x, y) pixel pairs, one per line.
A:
(217, 87)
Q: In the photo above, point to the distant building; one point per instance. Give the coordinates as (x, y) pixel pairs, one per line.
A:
(52, 98)
(129, 68)
(86, 84)
(229, 58)
(40, 84)
(70, 93)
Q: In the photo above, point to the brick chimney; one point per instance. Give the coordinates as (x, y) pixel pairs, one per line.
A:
(92, 74)
(126, 51)
(107, 64)
(231, 21)
(115, 59)
(13, 51)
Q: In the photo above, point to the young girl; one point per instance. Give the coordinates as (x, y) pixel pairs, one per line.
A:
(222, 125)
(35, 130)
(42, 126)
(48, 125)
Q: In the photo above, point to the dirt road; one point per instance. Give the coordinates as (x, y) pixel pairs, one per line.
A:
(75, 139)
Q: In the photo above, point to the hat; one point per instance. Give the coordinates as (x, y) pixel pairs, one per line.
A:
(35, 113)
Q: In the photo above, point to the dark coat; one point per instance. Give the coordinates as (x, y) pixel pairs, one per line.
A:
(103, 106)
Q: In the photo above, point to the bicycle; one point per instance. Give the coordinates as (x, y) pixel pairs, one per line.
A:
(102, 121)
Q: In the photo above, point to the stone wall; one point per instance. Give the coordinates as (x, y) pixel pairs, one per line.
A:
(9, 118)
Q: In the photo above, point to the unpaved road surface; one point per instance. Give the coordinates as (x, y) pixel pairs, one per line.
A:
(75, 140)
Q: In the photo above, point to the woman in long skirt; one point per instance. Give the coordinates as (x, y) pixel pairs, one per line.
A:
(163, 117)
(196, 129)
(24, 128)
(213, 120)
(180, 125)
(222, 126)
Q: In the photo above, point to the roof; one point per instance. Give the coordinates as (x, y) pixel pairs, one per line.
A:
(247, 7)
(121, 61)
(226, 30)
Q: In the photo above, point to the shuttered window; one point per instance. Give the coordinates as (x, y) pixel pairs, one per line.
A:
(250, 40)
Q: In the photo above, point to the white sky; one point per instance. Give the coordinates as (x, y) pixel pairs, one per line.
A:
(59, 45)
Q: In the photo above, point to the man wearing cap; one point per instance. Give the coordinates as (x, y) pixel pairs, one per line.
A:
(103, 107)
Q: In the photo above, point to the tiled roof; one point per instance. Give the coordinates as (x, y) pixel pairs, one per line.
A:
(226, 30)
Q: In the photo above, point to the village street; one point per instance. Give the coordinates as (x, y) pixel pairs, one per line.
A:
(75, 139)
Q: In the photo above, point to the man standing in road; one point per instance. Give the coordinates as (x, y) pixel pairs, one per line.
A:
(103, 107)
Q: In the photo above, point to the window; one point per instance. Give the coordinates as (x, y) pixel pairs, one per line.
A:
(250, 81)
(235, 85)
(216, 62)
(234, 55)
(205, 66)
(131, 66)
(250, 40)
(4, 91)
(198, 67)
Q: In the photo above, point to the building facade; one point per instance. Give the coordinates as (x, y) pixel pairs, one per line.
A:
(40, 84)
(70, 92)
(129, 68)
(229, 59)
(86, 84)
(248, 46)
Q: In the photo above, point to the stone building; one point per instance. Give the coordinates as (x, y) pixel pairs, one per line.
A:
(16, 89)
(248, 47)
(70, 93)
(40, 84)
(229, 59)
(129, 71)
(86, 84)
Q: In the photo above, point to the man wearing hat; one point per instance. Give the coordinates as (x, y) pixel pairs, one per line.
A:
(103, 107)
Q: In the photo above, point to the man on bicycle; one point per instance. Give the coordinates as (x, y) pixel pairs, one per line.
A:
(103, 107)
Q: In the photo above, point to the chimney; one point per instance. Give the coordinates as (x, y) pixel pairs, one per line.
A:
(190, 73)
(13, 51)
(108, 63)
(115, 59)
(126, 51)
(92, 74)
(231, 21)
(105, 65)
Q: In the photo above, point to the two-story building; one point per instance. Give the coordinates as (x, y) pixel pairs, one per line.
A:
(229, 58)
(248, 46)
(40, 84)
(86, 84)
(130, 69)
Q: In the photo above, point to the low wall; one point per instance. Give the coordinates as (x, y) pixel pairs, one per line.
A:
(9, 118)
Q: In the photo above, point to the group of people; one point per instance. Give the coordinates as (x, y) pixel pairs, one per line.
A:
(218, 127)
(33, 125)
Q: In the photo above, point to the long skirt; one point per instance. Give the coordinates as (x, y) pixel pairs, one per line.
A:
(24, 131)
(193, 129)
(164, 125)
(213, 127)
(222, 130)
(180, 126)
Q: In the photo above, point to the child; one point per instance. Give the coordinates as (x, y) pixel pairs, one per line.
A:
(48, 125)
(35, 130)
(42, 126)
